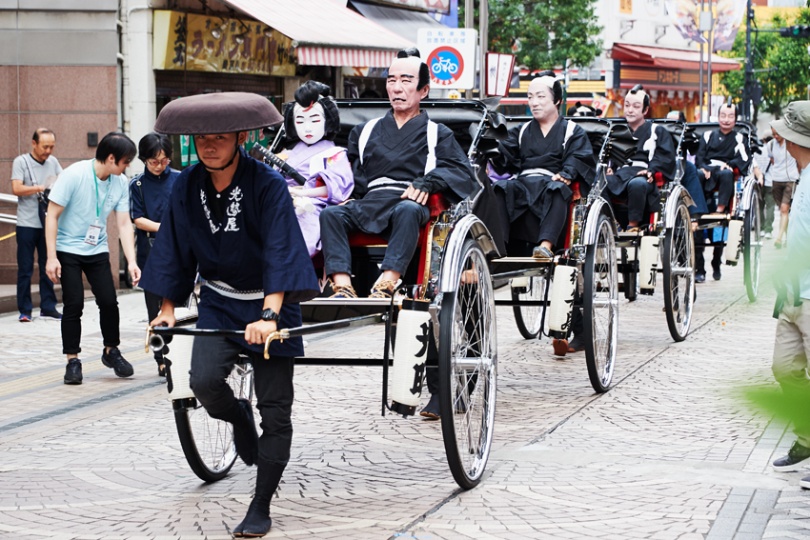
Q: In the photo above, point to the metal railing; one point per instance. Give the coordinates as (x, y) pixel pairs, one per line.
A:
(8, 218)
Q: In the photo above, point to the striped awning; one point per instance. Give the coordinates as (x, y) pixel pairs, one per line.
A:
(337, 36)
(335, 56)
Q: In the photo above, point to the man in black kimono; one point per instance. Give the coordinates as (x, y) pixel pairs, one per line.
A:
(653, 160)
(546, 156)
(398, 161)
(722, 153)
(231, 219)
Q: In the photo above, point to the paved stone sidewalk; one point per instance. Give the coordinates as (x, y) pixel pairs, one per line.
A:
(670, 452)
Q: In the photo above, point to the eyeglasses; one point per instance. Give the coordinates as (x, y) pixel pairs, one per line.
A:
(158, 162)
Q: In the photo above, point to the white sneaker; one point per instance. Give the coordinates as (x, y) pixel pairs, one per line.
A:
(768, 236)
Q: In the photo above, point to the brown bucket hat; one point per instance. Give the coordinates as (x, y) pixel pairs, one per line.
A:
(795, 124)
(224, 112)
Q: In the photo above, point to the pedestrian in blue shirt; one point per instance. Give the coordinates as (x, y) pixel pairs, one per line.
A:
(76, 235)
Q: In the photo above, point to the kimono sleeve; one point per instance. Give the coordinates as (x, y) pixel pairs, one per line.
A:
(452, 166)
(508, 162)
(663, 160)
(703, 148)
(286, 266)
(172, 266)
(742, 154)
(578, 161)
(353, 154)
(338, 177)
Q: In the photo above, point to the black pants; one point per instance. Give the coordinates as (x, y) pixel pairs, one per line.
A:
(30, 239)
(724, 182)
(638, 190)
(700, 261)
(337, 222)
(212, 360)
(528, 227)
(97, 270)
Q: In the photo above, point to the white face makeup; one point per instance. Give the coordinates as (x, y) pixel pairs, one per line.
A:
(310, 123)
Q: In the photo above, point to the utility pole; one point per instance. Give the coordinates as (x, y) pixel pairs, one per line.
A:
(469, 22)
(748, 81)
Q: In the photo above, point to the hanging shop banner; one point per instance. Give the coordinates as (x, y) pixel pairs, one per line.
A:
(442, 6)
(450, 55)
(215, 44)
(499, 73)
(729, 16)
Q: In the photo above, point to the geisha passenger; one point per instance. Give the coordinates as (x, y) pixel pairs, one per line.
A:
(310, 126)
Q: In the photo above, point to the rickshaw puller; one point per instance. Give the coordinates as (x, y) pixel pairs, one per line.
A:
(231, 219)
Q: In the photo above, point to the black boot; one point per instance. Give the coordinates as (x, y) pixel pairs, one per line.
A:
(245, 437)
(257, 522)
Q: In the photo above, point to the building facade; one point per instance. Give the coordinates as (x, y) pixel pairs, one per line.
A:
(59, 68)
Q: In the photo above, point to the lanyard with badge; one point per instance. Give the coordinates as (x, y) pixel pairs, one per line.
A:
(94, 230)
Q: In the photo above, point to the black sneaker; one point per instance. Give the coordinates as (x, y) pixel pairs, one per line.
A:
(797, 458)
(114, 360)
(431, 410)
(50, 314)
(73, 371)
(717, 274)
(700, 277)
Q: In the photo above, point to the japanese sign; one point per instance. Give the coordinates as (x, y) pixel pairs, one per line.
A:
(499, 73)
(450, 55)
(210, 43)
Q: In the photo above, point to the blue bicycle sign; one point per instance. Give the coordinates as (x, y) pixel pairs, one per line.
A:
(446, 65)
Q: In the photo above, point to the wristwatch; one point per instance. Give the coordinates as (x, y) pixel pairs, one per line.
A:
(269, 315)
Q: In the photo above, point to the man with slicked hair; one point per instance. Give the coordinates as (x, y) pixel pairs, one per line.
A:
(399, 160)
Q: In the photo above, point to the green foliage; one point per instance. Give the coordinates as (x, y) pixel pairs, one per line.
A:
(545, 32)
(772, 401)
(787, 62)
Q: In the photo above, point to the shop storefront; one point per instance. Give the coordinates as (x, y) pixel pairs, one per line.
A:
(672, 76)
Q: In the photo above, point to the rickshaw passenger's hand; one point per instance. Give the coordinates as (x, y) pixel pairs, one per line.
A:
(558, 178)
(609, 170)
(256, 332)
(415, 195)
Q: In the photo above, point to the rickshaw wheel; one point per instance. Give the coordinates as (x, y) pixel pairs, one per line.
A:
(207, 442)
(529, 318)
(751, 248)
(468, 360)
(601, 307)
(678, 261)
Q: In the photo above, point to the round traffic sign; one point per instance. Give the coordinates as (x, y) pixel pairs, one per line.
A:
(446, 66)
